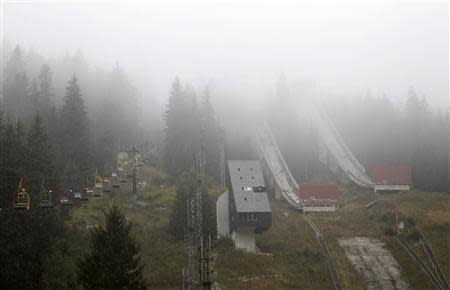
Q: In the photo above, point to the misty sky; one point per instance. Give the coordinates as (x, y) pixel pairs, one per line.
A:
(345, 47)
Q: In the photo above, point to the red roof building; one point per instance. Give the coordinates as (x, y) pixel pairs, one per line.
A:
(318, 197)
(391, 177)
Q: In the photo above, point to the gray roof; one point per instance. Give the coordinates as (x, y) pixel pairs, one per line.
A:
(246, 174)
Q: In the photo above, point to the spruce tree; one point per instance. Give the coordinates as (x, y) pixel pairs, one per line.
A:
(19, 150)
(15, 88)
(38, 163)
(174, 143)
(178, 216)
(45, 90)
(114, 261)
(212, 136)
(121, 99)
(74, 131)
(34, 95)
(182, 132)
(208, 214)
(186, 187)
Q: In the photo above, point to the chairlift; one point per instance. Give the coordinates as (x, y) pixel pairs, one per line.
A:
(81, 195)
(115, 180)
(123, 178)
(85, 194)
(106, 184)
(72, 193)
(89, 191)
(46, 197)
(65, 200)
(77, 195)
(98, 186)
(21, 200)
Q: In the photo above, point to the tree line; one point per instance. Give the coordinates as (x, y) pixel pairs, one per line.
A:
(414, 134)
(44, 150)
(191, 127)
(377, 131)
(41, 253)
(48, 137)
(71, 132)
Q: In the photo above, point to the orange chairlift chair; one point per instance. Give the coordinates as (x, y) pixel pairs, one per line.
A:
(21, 199)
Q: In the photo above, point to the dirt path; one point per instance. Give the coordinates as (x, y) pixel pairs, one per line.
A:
(375, 264)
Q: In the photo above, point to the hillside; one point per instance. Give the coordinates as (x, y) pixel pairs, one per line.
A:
(290, 257)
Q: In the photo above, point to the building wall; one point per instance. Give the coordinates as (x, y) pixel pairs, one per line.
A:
(318, 208)
(223, 215)
(386, 187)
(244, 240)
(259, 221)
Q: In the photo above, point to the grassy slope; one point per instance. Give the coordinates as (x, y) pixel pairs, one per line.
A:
(429, 210)
(296, 261)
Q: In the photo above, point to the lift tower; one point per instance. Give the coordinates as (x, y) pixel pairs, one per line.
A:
(199, 269)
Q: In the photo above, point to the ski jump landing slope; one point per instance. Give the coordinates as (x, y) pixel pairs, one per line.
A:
(330, 137)
(278, 167)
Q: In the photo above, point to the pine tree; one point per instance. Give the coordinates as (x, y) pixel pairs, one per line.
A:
(212, 136)
(19, 150)
(178, 217)
(182, 130)
(209, 214)
(27, 241)
(114, 261)
(45, 90)
(34, 95)
(16, 87)
(121, 99)
(74, 131)
(186, 187)
(38, 162)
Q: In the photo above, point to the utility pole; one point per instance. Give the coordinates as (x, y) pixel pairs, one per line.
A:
(134, 152)
(134, 180)
(187, 271)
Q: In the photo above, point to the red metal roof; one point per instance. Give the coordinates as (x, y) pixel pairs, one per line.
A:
(318, 192)
(391, 174)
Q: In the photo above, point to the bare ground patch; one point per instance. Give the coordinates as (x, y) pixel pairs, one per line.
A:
(376, 266)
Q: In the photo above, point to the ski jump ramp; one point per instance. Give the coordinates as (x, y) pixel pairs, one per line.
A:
(277, 166)
(332, 140)
(338, 149)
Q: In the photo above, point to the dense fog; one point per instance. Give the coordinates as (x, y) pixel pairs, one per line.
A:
(148, 144)
(365, 62)
(241, 47)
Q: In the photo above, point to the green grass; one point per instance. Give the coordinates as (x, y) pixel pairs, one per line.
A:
(354, 219)
(295, 261)
(292, 258)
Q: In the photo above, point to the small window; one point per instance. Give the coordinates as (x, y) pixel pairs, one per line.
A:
(259, 188)
(241, 177)
(253, 177)
(251, 217)
(239, 169)
(251, 169)
(245, 198)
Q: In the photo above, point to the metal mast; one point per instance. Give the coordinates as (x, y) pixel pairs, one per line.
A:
(195, 244)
